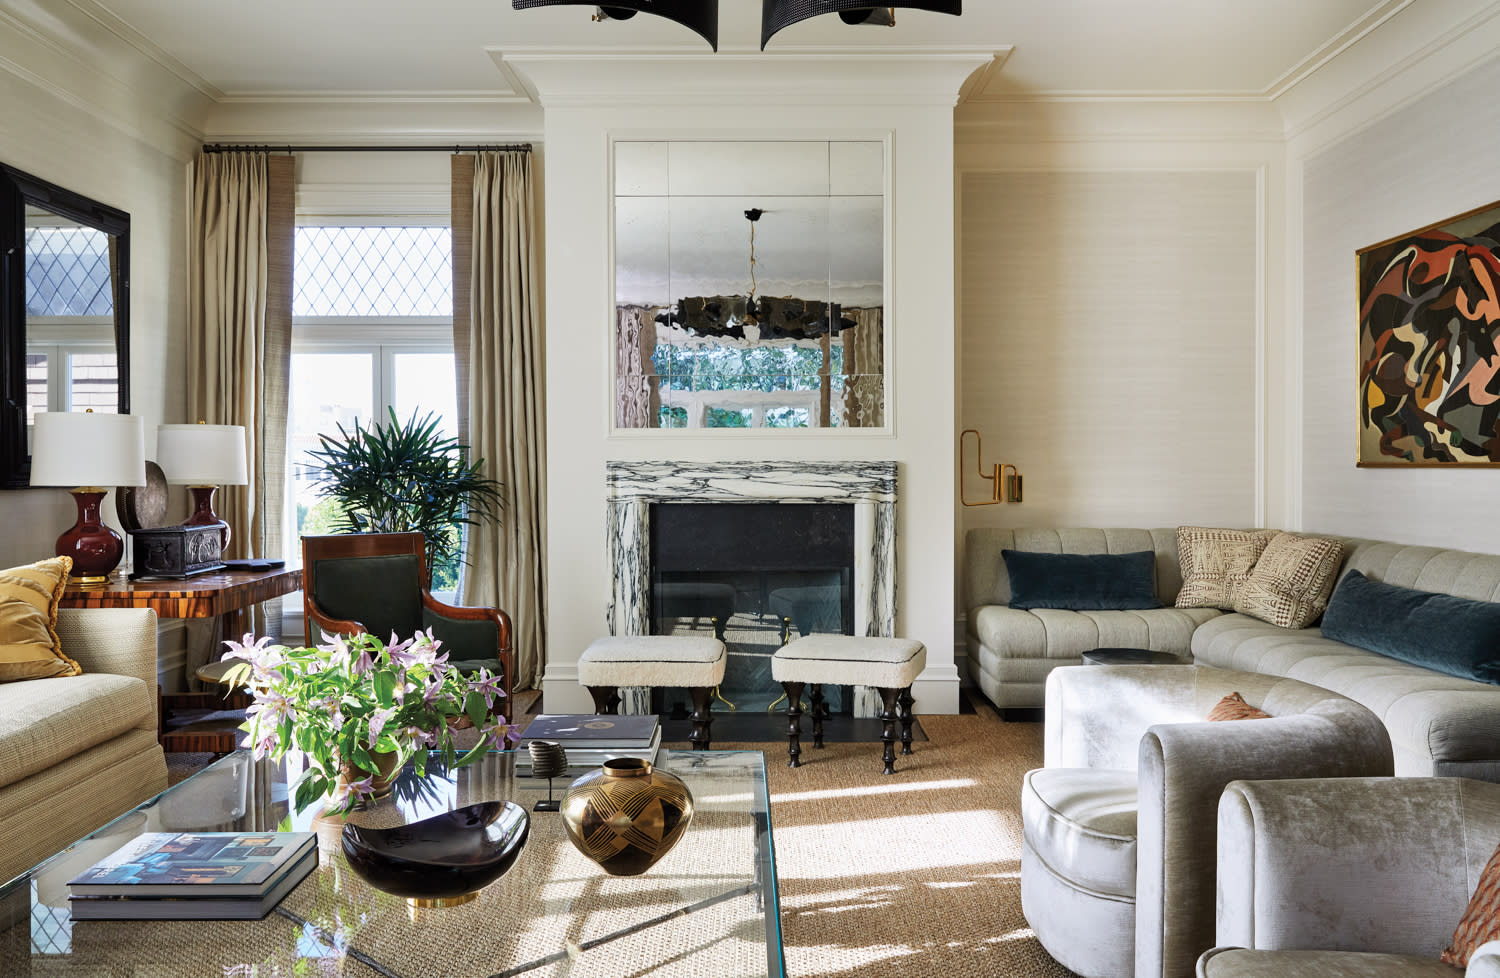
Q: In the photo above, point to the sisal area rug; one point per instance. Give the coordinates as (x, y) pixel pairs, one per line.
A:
(917, 874)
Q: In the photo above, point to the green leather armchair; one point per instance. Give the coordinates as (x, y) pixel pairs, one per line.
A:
(378, 583)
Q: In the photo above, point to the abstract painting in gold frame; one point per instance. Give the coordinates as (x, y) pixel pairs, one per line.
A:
(1429, 325)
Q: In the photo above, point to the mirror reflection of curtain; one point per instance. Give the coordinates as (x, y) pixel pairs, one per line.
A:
(505, 402)
(241, 236)
(864, 364)
(637, 399)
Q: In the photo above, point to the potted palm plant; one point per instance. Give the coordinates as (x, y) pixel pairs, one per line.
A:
(400, 476)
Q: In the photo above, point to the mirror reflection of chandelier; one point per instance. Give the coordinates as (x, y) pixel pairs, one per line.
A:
(770, 317)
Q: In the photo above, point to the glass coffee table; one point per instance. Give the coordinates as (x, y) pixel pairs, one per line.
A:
(709, 907)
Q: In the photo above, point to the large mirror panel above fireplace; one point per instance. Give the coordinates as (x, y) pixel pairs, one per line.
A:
(749, 284)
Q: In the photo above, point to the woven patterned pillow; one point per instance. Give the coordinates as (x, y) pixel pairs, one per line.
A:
(29, 648)
(1234, 707)
(1292, 580)
(1481, 919)
(1216, 563)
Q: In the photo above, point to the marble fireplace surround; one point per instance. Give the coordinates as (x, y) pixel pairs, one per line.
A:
(870, 487)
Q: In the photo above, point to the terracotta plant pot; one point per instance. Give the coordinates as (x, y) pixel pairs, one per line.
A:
(388, 769)
(626, 815)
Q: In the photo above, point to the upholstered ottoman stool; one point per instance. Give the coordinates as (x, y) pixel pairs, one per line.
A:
(888, 664)
(655, 660)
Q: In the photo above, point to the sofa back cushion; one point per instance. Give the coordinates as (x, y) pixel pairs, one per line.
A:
(986, 581)
(1453, 635)
(1081, 582)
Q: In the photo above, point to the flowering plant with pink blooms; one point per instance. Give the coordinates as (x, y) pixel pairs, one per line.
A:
(344, 703)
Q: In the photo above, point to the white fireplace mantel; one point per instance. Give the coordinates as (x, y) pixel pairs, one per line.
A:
(870, 487)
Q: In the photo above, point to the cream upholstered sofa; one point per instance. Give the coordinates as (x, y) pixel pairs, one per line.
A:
(1353, 876)
(78, 751)
(1438, 724)
(1118, 827)
(1011, 651)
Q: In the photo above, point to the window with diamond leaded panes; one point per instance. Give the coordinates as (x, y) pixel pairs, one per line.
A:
(372, 329)
(70, 342)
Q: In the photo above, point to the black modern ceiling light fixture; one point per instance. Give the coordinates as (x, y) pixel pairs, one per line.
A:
(701, 16)
(776, 14)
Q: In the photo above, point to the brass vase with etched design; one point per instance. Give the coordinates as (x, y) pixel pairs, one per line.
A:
(626, 815)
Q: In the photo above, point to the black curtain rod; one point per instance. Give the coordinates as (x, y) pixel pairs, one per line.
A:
(258, 148)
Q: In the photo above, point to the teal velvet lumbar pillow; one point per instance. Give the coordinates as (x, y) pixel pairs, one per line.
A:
(1081, 582)
(1439, 631)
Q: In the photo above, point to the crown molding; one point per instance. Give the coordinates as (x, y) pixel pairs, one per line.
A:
(791, 75)
(1417, 52)
(373, 122)
(147, 48)
(86, 66)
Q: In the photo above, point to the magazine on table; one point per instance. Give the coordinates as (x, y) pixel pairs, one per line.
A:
(589, 731)
(195, 865)
(194, 907)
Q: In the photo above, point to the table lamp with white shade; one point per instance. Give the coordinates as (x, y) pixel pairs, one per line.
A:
(90, 452)
(202, 457)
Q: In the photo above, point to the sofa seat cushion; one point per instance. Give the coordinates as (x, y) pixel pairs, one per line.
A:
(1081, 823)
(1047, 633)
(1240, 963)
(1427, 713)
(46, 721)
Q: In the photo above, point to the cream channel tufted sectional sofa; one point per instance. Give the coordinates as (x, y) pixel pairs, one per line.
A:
(1438, 724)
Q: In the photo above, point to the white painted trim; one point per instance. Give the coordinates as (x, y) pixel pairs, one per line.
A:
(1369, 22)
(1262, 375)
(1292, 252)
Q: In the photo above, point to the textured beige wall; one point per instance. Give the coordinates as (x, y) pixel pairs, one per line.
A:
(1428, 161)
(1109, 324)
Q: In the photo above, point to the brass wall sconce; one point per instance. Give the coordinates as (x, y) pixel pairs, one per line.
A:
(1004, 478)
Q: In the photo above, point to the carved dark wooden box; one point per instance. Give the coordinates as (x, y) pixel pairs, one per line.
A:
(174, 552)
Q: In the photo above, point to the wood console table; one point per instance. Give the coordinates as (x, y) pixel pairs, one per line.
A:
(226, 595)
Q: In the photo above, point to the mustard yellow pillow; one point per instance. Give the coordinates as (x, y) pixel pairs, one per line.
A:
(29, 648)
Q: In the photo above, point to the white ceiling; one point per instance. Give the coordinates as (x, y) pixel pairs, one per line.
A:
(301, 47)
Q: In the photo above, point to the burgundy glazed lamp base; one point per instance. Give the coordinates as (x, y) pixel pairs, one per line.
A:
(96, 549)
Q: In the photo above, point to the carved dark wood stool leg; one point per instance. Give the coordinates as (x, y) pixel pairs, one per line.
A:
(703, 718)
(793, 723)
(606, 699)
(906, 701)
(890, 698)
(819, 710)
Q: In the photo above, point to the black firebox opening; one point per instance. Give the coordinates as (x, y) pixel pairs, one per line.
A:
(751, 573)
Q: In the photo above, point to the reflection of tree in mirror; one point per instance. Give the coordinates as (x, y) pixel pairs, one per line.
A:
(727, 418)
(761, 368)
(788, 417)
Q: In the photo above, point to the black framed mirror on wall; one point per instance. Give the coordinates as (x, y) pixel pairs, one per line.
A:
(64, 310)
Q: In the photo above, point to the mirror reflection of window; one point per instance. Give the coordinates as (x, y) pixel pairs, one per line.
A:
(70, 341)
(749, 284)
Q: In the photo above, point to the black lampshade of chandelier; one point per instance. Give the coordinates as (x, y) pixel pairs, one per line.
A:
(776, 14)
(776, 317)
(701, 16)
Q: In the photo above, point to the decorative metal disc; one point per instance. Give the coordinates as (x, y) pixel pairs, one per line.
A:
(143, 507)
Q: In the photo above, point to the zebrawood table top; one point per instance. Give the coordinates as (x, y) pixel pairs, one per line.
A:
(205, 596)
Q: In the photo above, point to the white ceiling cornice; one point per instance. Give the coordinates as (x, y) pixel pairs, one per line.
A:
(77, 57)
(799, 76)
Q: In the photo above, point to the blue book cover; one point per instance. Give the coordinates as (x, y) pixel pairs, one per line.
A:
(195, 864)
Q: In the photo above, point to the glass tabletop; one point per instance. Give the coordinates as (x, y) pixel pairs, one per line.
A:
(709, 907)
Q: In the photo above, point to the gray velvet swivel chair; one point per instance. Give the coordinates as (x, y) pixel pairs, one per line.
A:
(1354, 876)
(1119, 828)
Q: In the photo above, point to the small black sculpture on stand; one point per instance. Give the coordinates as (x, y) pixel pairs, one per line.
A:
(548, 760)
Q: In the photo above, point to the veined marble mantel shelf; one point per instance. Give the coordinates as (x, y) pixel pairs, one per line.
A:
(870, 487)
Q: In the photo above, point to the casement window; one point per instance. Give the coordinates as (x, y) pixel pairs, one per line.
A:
(372, 329)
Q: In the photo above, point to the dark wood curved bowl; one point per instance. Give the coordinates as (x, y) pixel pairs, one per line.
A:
(445, 858)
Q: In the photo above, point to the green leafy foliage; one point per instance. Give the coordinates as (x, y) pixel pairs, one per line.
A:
(400, 476)
(341, 704)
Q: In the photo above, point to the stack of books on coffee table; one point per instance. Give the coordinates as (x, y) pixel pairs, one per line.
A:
(591, 739)
(194, 876)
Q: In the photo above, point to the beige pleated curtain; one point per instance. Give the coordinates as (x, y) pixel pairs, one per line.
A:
(241, 230)
(498, 347)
